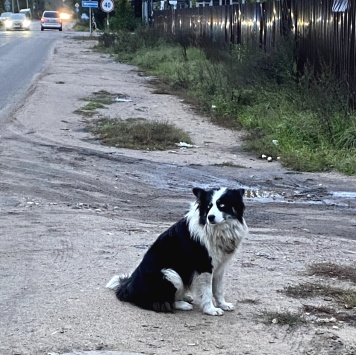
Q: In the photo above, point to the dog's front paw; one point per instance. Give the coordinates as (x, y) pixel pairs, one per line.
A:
(213, 311)
(227, 306)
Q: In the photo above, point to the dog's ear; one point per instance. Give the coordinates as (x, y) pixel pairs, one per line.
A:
(198, 192)
(239, 194)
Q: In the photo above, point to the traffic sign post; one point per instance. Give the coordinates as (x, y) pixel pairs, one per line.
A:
(107, 6)
(7, 5)
(77, 9)
(90, 5)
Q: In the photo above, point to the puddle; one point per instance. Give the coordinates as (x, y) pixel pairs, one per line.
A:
(319, 196)
(264, 195)
(344, 194)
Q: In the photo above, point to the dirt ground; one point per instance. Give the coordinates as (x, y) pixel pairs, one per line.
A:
(74, 213)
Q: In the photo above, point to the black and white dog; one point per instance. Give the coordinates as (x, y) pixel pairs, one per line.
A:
(190, 256)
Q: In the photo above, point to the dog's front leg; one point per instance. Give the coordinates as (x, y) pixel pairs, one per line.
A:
(218, 290)
(204, 290)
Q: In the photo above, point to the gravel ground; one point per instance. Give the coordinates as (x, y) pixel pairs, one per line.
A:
(74, 213)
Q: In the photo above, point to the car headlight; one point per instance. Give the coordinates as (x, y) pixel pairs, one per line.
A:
(8, 23)
(26, 23)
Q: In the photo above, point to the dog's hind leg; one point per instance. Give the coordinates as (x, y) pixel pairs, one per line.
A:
(180, 302)
(188, 297)
(183, 306)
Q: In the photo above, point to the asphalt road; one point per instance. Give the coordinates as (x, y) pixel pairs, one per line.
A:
(23, 56)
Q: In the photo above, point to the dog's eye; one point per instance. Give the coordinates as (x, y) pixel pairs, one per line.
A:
(210, 205)
(219, 204)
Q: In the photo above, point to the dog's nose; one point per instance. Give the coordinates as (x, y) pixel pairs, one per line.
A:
(211, 218)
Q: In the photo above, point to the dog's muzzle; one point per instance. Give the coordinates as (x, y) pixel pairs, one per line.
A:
(212, 219)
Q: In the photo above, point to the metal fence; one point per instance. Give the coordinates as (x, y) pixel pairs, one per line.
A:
(323, 30)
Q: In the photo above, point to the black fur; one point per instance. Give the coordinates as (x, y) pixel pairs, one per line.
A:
(215, 225)
(174, 249)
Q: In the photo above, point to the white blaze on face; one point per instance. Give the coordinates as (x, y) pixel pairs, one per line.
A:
(214, 214)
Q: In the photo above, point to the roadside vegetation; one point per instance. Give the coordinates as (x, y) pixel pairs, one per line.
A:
(324, 302)
(132, 133)
(331, 271)
(138, 133)
(303, 119)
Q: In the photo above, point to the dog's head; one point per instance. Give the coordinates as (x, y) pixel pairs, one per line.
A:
(219, 205)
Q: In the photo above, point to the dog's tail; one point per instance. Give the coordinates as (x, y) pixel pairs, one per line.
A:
(120, 284)
(114, 283)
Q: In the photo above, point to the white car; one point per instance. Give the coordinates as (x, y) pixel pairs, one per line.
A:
(17, 22)
(51, 20)
(4, 16)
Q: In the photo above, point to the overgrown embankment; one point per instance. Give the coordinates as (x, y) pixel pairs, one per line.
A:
(304, 119)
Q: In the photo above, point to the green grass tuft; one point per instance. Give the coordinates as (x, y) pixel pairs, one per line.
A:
(137, 133)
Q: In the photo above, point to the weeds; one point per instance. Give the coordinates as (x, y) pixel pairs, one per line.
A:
(137, 133)
(229, 164)
(341, 272)
(283, 318)
(103, 97)
(262, 92)
(97, 100)
(345, 297)
(89, 109)
(132, 133)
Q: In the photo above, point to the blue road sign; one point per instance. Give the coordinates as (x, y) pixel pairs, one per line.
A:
(89, 4)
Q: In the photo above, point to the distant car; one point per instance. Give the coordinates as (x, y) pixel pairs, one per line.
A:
(17, 22)
(27, 12)
(4, 16)
(51, 20)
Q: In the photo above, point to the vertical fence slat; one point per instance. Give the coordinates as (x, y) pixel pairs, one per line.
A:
(321, 35)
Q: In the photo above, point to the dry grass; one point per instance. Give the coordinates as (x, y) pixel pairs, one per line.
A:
(345, 297)
(320, 309)
(341, 272)
(89, 110)
(283, 318)
(132, 133)
(249, 301)
(104, 97)
(327, 312)
(137, 133)
(229, 164)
